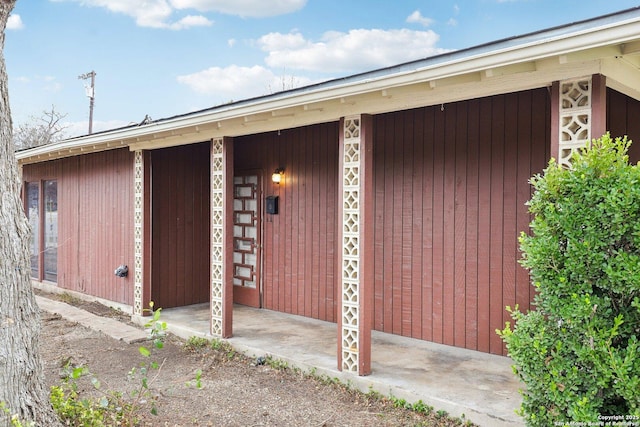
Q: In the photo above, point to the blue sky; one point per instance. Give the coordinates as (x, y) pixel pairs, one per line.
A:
(166, 57)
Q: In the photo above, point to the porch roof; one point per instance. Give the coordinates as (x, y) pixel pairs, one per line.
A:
(608, 45)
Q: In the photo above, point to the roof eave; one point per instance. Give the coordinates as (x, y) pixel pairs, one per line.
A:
(614, 34)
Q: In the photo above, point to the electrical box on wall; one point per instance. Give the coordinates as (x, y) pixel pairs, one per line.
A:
(272, 205)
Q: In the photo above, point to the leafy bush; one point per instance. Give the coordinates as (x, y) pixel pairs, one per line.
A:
(578, 353)
(113, 407)
(72, 409)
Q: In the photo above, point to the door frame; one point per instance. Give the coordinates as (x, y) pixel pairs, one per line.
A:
(242, 295)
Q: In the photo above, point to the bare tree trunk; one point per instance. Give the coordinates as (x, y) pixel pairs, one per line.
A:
(21, 379)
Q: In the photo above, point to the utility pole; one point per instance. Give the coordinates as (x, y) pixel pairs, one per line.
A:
(91, 92)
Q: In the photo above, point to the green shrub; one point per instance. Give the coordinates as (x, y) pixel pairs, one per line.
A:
(113, 407)
(71, 408)
(577, 353)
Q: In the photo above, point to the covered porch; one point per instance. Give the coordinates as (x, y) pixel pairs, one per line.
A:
(479, 385)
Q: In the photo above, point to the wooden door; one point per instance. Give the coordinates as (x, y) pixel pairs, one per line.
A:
(247, 239)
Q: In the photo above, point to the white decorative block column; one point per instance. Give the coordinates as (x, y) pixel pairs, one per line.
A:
(575, 114)
(217, 233)
(138, 231)
(350, 266)
(356, 245)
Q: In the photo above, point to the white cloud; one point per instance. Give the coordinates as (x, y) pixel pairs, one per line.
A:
(216, 80)
(282, 42)
(245, 8)
(150, 13)
(14, 22)
(231, 42)
(159, 13)
(235, 82)
(357, 50)
(336, 52)
(191, 21)
(417, 18)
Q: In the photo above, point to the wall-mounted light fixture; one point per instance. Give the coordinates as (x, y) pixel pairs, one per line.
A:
(122, 271)
(277, 176)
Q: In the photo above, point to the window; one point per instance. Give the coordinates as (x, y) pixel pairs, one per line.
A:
(50, 252)
(42, 212)
(33, 214)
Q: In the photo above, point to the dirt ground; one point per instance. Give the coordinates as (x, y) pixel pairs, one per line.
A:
(235, 390)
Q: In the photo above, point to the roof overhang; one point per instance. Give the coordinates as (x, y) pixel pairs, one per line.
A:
(608, 45)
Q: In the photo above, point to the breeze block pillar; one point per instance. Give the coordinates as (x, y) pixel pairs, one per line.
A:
(579, 115)
(355, 317)
(141, 231)
(221, 237)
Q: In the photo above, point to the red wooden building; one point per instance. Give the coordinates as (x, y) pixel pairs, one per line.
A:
(401, 198)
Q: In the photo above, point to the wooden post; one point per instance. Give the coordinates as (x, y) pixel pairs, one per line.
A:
(598, 105)
(555, 120)
(227, 268)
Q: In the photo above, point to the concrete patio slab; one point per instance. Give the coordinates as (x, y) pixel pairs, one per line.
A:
(480, 386)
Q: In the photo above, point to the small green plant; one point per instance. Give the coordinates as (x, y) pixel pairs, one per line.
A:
(13, 419)
(223, 346)
(197, 380)
(73, 410)
(400, 403)
(66, 297)
(112, 407)
(373, 394)
(218, 344)
(195, 344)
(70, 408)
(275, 363)
(578, 352)
(418, 407)
(327, 380)
(422, 407)
(441, 414)
(157, 333)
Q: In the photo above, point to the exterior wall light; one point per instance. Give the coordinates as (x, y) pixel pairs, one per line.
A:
(277, 175)
(122, 271)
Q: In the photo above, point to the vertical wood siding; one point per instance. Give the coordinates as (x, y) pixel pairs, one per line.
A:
(299, 244)
(623, 118)
(95, 214)
(180, 225)
(450, 193)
